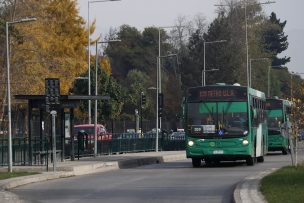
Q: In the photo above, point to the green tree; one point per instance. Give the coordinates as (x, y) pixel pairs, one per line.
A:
(275, 40)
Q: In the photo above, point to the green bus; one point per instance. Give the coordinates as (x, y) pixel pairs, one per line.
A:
(225, 123)
(278, 111)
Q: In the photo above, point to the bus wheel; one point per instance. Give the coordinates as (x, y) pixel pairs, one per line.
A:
(284, 151)
(260, 159)
(208, 162)
(250, 161)
(196, 162)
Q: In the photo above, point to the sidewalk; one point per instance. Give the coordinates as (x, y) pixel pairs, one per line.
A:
(83, 166)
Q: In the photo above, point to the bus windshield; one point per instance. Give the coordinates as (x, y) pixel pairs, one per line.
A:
(274, 119)
(217, 119)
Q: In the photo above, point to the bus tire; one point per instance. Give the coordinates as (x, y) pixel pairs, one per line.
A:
(250, 161)
(196, 162)
(284, 151)
(208, 162)
(260, 159)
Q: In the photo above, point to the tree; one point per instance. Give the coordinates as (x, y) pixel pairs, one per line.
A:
(53, 46)
(275, 40)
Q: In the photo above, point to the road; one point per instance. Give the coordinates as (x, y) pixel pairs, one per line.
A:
(169, 182)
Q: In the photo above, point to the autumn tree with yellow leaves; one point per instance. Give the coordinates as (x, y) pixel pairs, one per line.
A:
(298, 106)
(53, 46)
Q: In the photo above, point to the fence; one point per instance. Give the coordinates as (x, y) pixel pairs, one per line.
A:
(40, 152)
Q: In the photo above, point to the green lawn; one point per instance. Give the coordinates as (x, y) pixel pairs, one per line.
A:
(285, 185)
(5, 175)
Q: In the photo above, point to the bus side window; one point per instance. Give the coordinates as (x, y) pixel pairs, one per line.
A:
(254, 113)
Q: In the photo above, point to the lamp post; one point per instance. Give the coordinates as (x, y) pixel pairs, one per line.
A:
(158, 90)
(159, 73)
(204, 71)
(250, 62)
(89, 52)
(10, 151)
(96, 92)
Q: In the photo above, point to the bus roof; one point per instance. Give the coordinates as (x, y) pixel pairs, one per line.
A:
(274, 102)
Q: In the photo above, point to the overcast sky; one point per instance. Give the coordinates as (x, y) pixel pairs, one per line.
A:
(145, 13)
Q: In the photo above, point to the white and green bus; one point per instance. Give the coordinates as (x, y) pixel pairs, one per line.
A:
(225, 123)
(278, 112)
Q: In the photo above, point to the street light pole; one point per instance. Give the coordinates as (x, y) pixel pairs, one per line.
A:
(158, 90)
(89, 54)
(9, 109)
(204, 71)
(158, 81)
(96, 93)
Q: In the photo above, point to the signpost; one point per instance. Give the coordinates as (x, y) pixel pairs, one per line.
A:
(52, 100)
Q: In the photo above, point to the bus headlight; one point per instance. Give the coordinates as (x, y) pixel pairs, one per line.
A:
(245, 142)
(190, 143)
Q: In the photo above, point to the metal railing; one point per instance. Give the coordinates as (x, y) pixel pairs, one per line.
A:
(37, 151)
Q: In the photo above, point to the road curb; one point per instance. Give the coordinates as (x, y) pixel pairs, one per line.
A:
(248, 190)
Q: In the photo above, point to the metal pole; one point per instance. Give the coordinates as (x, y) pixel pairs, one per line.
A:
(250, 72)
(204, 72)
(268, 89)
(89, 63)
(141, 115)
(53, 113)
(247, 48)
(136, 121)
(157, 94)
(159, 72)
(158, 120)
(10, 151)
(96, 93)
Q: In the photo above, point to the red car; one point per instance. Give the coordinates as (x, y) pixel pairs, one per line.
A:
(102, 133)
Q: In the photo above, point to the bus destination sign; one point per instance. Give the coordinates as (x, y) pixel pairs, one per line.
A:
(215, 93)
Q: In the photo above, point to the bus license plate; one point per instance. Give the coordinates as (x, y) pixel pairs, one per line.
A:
(218, 152)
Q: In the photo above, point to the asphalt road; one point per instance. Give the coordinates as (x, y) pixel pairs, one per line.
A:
(169, 182)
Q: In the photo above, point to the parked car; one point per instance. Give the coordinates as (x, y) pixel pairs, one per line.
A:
(102, 133)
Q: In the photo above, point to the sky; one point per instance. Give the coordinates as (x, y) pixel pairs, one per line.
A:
(159, 13)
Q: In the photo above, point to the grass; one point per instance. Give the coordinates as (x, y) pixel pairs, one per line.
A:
(284, 185)
(6, 175)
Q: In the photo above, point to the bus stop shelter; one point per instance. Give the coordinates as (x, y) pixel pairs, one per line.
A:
(39, 122)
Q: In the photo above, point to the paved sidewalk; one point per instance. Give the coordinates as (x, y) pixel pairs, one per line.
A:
(83, 166)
